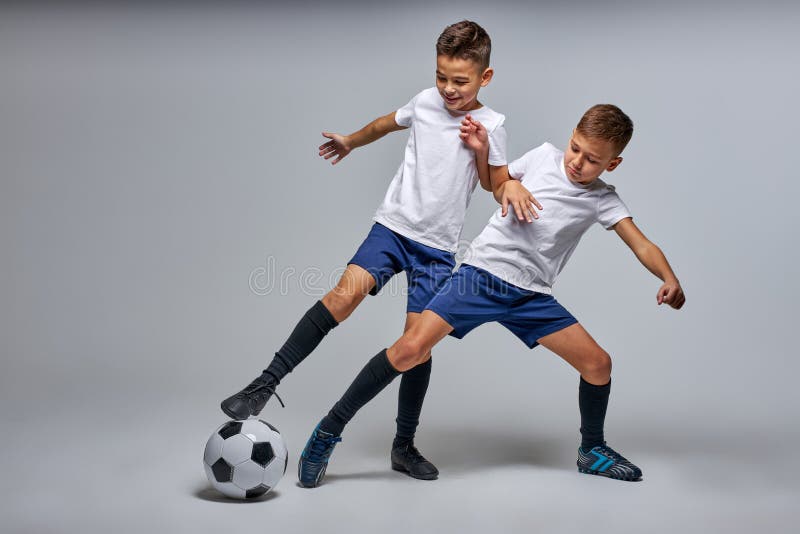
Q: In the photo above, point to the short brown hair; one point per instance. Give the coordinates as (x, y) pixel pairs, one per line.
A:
(465, 40)
(607, 122)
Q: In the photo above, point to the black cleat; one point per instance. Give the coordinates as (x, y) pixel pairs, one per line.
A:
(251, 400)
(407, 459)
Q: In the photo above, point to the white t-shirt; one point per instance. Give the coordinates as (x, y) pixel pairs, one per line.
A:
(428, 197)
(530, 255)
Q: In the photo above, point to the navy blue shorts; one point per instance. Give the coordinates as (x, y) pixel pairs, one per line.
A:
(473, 297)
(384, 253)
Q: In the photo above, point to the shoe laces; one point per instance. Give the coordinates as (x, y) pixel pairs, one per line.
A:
(413, 454)
(321, 446)
(260, 388)
(611, 453)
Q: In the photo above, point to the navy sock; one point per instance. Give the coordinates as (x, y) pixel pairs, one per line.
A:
(593, 401)
(312, 327)
(413, 386)
(376, 375)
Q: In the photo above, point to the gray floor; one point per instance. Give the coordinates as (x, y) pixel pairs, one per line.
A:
(128, 472)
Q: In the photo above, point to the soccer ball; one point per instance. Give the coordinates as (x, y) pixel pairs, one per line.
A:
(245, 459)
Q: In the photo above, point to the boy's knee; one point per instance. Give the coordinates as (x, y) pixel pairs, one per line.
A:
(407, 353)
(597, 368)
(341, 303)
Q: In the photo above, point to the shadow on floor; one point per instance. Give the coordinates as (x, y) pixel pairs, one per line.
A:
(388, 474)
(207, 493)
(456, 450)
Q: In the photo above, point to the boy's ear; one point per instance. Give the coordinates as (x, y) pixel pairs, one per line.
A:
(614, 163)
(486, 77)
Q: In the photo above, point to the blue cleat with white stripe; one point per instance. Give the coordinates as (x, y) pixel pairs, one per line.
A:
(604, 461)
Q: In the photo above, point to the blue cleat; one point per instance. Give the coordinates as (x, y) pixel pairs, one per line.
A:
(314, 458)
(604, 461)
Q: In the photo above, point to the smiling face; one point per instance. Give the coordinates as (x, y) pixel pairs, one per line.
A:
(459, 80)
(586, 158)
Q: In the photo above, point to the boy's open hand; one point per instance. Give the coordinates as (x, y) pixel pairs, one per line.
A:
(474, 134)
(337, 146)
(517, 196)
(671, 293)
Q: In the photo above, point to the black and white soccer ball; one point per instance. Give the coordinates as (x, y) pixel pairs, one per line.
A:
(245, 459)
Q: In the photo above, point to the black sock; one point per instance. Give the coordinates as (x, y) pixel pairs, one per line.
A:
(413, 386)
(376, 375)
(312, 327)
(593, 401)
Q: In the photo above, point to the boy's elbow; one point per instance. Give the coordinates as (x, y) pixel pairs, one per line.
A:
(487, 186)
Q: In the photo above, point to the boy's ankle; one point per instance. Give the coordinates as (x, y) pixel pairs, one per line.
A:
(402, 441)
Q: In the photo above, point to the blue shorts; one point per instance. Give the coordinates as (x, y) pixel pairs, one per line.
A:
(473, 297)
(384, 253)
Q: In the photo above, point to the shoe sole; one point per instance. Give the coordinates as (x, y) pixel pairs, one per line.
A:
(607, 475)
(319, 477)
(401, 469)
(232, 415)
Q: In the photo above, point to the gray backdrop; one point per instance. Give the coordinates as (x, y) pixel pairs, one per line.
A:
(164, 221)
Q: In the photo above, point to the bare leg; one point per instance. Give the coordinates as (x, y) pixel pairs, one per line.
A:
(353, 286)
(581, 351)
(415, 346)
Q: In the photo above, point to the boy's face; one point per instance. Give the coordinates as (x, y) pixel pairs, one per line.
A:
(459, 80)
(586, 158)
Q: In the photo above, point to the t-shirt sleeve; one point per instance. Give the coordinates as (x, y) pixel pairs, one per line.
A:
(497, 146)
(405, 115)
(611, 209)
(518, 167)
(527, 162)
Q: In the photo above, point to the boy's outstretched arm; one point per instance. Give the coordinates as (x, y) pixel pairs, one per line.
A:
(496, 179)
(651, 257)
(342, 145)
